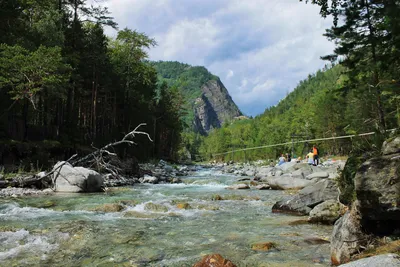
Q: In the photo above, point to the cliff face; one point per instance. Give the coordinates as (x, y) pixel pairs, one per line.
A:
(214, 107)
(209, 104)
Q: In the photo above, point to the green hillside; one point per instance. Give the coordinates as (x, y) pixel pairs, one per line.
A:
(323, 105)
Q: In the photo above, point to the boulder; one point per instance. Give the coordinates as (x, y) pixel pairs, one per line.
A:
(286, 182)
(303, 173)
(327, 212)
(317, 175)
(149, 179)
(263, 187)
(377, 186)
(183, 206)
(263, 246)
(239, 186)
(76, 179)
(347, 237)
(391, 147)
(262, 171)
(113, 207)
(288, 167)
(307, 198)
(214, 260)
(384, 260)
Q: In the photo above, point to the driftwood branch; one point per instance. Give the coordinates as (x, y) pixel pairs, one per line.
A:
(98, 154)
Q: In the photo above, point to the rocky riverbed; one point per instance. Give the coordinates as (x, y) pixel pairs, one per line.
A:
(312, 192)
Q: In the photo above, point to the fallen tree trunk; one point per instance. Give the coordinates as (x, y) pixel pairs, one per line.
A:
(96, 157)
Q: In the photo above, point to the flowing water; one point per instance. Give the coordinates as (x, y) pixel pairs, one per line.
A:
(65, 229)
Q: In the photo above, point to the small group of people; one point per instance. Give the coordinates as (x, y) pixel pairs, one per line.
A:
(313, 156)
(284, 158)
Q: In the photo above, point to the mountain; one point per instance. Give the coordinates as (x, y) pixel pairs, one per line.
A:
(209, 104)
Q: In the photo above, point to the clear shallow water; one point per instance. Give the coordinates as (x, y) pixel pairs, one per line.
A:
(64, 230)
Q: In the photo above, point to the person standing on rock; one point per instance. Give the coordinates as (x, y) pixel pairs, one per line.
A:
(282, 159)
(310, 158)
(316, 155)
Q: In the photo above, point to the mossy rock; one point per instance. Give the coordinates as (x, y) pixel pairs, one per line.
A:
(141, 215)
(128, 202)
(207, 207)
(263, 246)
(345, 180)
(216, 197)
(45, 205)
(155, 207)
(183, 206)
(113, 207)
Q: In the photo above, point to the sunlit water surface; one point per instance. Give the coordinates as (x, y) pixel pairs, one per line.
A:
(64, 229)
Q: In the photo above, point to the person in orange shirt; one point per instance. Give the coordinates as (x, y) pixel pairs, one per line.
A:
(316, 155)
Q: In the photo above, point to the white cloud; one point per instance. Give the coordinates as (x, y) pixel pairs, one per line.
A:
(229, 74)
(260, 49)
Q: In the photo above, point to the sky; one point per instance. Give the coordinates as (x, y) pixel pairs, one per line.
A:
(260, 49)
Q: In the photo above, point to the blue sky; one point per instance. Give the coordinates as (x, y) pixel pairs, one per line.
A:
(260, 49)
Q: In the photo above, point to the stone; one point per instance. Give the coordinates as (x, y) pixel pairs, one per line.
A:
(286, 182)
(315, 241)
(155, 207)
(113, 207)
(348, 237)
(263, 246)
(307, 198)
(183, 206)
(149, 179)
(263, 187)
(76, 179)
(327, 212)
(384, 260)
(238, 187)
(377, 186)
(288, 167)
(262, 171)
(391, 146)
(317, 175)
(214, 260)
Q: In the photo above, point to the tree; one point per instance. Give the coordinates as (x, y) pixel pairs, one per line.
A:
(366, 44)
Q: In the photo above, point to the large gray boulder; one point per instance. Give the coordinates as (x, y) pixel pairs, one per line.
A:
(327, 212)
(391, 146)
(286, 182)
(307, 198)
(317, 175)
(377, 186)
(347, 237)
(263, 171)
(384, 260)
(76, 179)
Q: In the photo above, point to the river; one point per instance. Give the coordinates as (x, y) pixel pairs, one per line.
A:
(64, 229)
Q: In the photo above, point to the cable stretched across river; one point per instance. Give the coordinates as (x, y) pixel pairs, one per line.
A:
(300, 141)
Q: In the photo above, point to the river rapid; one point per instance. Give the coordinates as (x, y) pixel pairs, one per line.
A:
(66, 229)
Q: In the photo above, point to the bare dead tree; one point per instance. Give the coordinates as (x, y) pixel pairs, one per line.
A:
(95, 158)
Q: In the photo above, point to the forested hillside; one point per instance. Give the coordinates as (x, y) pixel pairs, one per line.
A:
(320, 106)
(64, 84)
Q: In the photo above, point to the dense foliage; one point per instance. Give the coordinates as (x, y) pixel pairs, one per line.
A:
(359, 95)
(62, 79)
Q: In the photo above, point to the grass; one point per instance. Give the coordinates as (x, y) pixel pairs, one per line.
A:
(383, 248)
